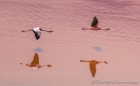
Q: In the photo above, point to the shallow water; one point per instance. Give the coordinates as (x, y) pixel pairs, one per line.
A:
(69, 44)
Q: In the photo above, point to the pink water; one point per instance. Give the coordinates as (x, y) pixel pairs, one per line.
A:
(69, 44)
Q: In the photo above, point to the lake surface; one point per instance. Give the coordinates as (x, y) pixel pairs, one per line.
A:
(68, 44)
